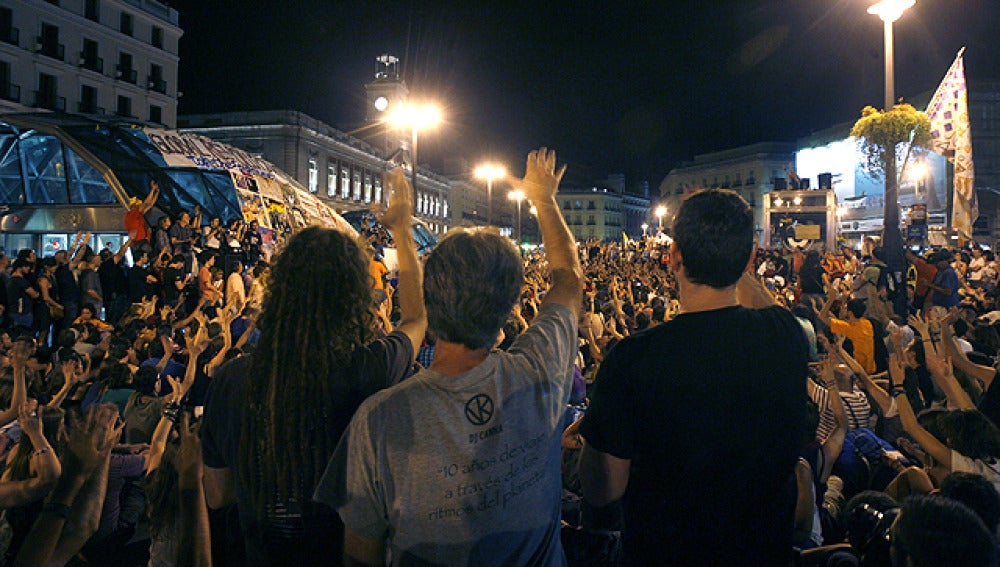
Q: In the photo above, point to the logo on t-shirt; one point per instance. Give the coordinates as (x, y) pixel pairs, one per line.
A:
(479, 409)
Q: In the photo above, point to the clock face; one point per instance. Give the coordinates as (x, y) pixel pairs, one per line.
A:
(381, 103)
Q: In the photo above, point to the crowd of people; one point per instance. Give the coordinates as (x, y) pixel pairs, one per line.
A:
(681, 401)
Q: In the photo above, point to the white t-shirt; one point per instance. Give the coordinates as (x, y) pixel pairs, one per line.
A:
(988, 470)
(463, 470)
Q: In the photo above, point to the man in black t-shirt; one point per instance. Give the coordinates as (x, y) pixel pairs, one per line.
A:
(696, 423)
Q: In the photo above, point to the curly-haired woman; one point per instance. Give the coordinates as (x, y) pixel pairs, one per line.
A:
(272, 420)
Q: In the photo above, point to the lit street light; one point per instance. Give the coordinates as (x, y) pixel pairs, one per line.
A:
(489, 172)
(415, 118)
(517, 195)
(659, 212)
(889, 11)
(645, 227)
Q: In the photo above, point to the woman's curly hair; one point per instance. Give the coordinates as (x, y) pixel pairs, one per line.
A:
(316, 312)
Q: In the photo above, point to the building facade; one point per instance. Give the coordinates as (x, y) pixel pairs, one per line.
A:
(750, 170)
(93, 57)
(597, 212)
(342, 171)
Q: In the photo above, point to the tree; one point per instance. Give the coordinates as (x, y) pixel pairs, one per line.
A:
(879, 135)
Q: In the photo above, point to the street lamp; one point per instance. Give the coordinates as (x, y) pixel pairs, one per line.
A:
(645, 227)
(517, 195)
(889, 11)
(659, 212)
(489, 172)
(415, 117)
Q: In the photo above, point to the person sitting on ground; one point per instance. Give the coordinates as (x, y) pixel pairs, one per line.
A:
(933, 531)
(854, 326)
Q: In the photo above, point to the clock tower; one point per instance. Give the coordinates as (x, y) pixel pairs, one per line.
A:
(386, 92)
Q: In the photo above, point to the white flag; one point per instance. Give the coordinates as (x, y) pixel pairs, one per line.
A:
(951, 137)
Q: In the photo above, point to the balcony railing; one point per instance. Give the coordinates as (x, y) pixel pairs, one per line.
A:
(10, 35)
(89, 108)
(157, 84)
(50, 101)
(125, 74)
(92, 62)
(52, 49)
(10, 92)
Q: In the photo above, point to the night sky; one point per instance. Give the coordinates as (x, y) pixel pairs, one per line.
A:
(636, 88)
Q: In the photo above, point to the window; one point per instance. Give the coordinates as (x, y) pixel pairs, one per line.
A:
(566, 205)
(155, 114)
(125, 23)
(445, 212)
(8, 91)
(345, 182)
(47, 94)
(156, 81)
(92, 10)
(8, 33)
(578, 205)
(357, 186)
(156, 37)
(378, 189)
(88, 57)
(124, 106)
(313, 176)
(88, 99)
(331, 179)
(48, 42)
(368, 188)
(125, 71)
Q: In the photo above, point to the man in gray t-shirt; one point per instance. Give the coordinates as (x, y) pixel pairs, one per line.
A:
(460, 464)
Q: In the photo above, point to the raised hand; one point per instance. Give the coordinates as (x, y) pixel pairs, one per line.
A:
(401, 200)
(541, 180)
(188, 459)
(30, 421)
(919, 325)
(90, 438)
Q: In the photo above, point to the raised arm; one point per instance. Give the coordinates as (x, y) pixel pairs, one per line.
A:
(195, 542)
(410, 290)
(931, 444)
(877, 393)
(949, 345)
(19, 353)
(540, 185)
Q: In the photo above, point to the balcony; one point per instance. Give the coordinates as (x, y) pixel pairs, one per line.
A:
(10, 35)
(10, 92)
(50, 101)
(51, 49)
(92, 63)
(157, 84)
(88, 108)
(126, 74)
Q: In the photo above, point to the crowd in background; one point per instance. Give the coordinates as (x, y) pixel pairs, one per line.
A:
(105, 367)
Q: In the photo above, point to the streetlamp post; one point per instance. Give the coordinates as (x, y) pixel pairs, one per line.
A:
(415, 117)
(517, 195)
(489, 172)
(660, 211)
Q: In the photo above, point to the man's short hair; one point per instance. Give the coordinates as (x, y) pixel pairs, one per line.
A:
(714, 232)
(977, 493)
(857, 307)
(205, 256)
(936, 531)
(471, 282)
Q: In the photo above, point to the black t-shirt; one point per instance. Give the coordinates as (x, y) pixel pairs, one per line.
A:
(170, 278)
(18, 300)
(376, 366)
(710, 409)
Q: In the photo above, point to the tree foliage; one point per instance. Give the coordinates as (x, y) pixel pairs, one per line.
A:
(879, 133)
